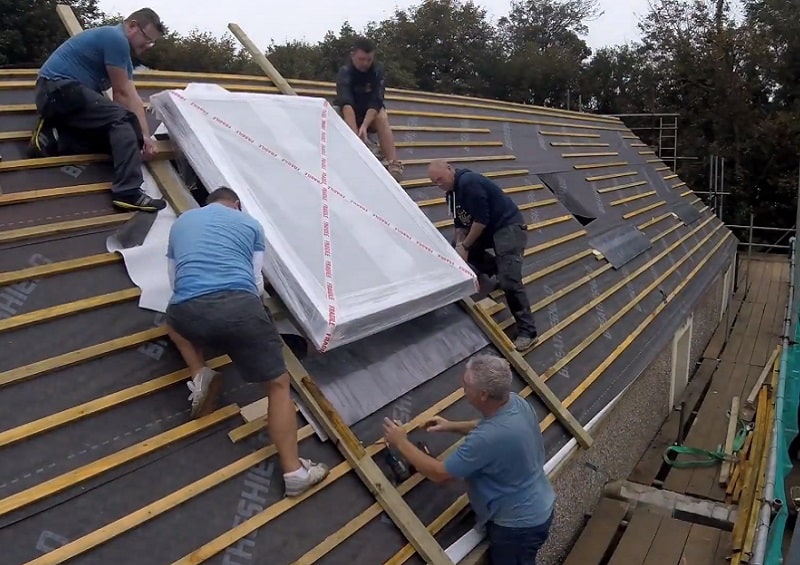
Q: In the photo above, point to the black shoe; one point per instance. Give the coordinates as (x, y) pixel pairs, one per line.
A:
(44, 141)
(140, 202)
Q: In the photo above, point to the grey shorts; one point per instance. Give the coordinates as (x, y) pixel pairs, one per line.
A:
(237, 323)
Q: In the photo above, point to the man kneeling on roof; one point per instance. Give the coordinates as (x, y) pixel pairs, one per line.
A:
(360, 90)
(486, 218)
(215, 256)
(501, 458)
(75, 116)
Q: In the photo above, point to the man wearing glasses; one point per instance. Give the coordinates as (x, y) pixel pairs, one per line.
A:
(75, 116)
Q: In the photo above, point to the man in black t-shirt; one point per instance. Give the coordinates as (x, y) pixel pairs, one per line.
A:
(360, 87)
(486, 218)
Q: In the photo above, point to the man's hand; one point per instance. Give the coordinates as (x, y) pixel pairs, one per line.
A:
(462, 251)
(438, 424)
(149, 150)
(362, 133)
(393, 433)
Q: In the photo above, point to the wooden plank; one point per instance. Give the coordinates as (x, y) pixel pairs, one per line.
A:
(19, 374)
(62, 310)
(595, 374)
(723, 550)
(488, 118)
(637, 539)
(117, 459)
(463, 159)
(749, 404)
(47, 193)
(669, 542)
(607, 293)
(700, 545)
(600, 165)
(533, 380)
(614, 176)
(392, 502)
(58, 268)
(596, 537)
(652, 460)
(162, 505)
(81, 411)
(60, 228)
(633, 198)
(708, 431)
(621, 187)
(733, 420)
(262, 518)
(256, 410)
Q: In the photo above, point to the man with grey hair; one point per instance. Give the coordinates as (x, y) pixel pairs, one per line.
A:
(501, 458)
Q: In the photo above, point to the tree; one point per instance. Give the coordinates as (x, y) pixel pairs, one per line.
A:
(541, 39)
(446, 45)
(198, 52)
(30, 30)
(619, 80)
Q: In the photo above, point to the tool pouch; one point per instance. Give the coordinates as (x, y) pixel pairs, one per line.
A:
(62, 99)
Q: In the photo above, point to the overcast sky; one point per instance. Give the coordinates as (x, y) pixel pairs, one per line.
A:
(310, 19)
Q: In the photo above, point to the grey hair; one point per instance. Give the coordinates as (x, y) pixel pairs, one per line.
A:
(490, 374)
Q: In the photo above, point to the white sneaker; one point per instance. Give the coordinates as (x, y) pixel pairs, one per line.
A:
(204, 388)
(299, 482)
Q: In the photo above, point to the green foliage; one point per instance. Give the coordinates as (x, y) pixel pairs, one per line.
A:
(30, 30)
(735, 82)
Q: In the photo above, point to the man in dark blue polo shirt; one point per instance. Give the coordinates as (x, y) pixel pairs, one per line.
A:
(360, 87)
(486, 218)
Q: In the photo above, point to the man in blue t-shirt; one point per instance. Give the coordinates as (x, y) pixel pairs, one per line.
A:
(75, 116)
(501, 458)
(486, 218)
(215, 255)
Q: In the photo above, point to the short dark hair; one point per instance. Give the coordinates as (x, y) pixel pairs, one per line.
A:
(145, 16)
(222, 193)
(363, 44)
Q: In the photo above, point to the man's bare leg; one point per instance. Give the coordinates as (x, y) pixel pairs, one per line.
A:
(204, 386)
(282, 422)
(385, 135)
(299, 475)
(192, 355)
(386, 140)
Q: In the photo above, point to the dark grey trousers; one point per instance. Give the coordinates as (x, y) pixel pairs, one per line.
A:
(89, 122)
(508, 244)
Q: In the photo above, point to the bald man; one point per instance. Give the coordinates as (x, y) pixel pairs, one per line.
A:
(486, 218)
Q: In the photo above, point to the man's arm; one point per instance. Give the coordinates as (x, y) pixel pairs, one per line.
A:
(427, 466)
(126, 95)
(376, 98)
(462, 428)
(476, 203)
(258, 265)
(258, 258)
(344, 97)
(171, 266)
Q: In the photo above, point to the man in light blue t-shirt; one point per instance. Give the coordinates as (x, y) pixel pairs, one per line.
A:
(215, 255)
(75, 116)
(501, 458)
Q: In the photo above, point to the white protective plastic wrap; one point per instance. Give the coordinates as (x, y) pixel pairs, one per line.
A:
(348, 251)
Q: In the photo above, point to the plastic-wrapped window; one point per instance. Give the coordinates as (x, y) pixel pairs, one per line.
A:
(348, 251)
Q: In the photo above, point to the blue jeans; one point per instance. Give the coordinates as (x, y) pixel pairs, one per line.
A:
(516, 546)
